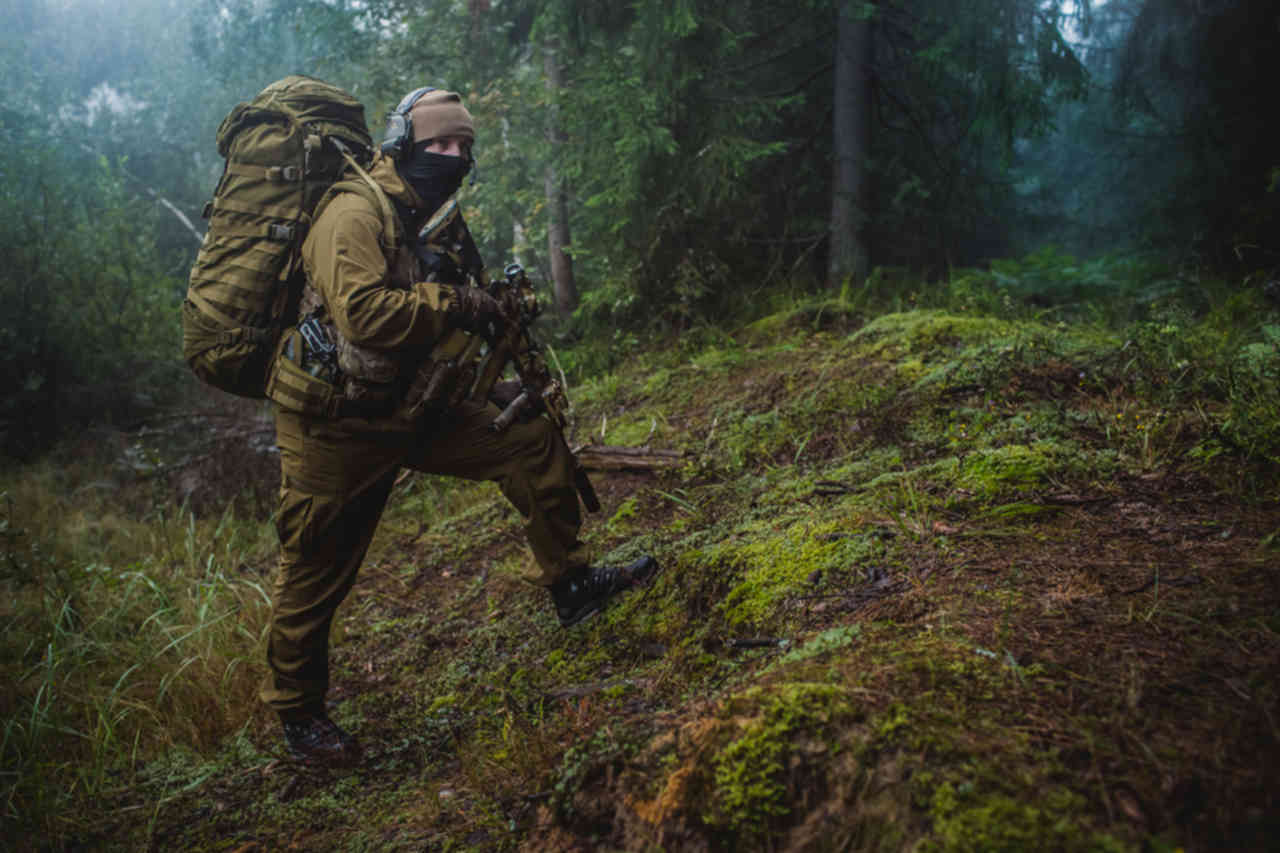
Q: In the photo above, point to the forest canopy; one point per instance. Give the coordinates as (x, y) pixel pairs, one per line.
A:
(662, 162)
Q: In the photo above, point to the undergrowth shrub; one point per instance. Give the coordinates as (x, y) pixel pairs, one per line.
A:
(1048, 284)
(1184, 339)
(1254, 392)
(88, 302)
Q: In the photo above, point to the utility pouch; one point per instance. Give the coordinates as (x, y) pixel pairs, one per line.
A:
(293, 387)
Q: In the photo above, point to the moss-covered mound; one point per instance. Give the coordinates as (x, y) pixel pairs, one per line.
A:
(935, 581)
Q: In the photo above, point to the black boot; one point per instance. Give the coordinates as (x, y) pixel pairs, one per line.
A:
(584, 591)
(318, 740)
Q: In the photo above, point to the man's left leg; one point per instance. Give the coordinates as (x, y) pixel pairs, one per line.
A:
(530, 463)
(535, 470)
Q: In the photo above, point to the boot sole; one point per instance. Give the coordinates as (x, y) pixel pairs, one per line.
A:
(337, 762)
(583, 614)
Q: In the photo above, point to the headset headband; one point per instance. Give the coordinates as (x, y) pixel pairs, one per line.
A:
(399, 137)
(407, 102)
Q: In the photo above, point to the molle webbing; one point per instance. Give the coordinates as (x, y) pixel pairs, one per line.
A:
(284, 150)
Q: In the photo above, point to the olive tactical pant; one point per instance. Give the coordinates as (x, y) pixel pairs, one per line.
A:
(333, 487)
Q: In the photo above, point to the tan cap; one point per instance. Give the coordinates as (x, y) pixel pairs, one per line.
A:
(438, 114)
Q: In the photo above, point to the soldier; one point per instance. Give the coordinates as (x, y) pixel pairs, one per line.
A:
(377, 313)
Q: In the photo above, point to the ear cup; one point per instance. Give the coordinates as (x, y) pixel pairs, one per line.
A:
(399, 136)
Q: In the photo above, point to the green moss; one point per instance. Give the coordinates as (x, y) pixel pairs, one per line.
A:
(896, 717)
(749, 438)
(718, 359)
(775, 566)
(620, 523)
(964, 820)
(942, 469)
(751, 772)
(631, 430)
(829, 640)
(658, 381)
(442, 703)
(806, 318)
(996, 471)
(895, 335)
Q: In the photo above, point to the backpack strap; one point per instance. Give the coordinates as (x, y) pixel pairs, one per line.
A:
(388, 215)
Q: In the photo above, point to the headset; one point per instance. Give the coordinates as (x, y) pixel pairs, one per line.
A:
(398, 141)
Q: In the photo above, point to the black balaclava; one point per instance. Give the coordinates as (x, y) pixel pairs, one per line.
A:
(434, 177)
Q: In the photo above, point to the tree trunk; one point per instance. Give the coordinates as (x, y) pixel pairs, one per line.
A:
(566, 288)
(848, 258)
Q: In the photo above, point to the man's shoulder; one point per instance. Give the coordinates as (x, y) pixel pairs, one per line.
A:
(350, 196)
(350, 207)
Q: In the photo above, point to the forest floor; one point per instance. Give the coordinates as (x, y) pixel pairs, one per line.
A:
(932, 582)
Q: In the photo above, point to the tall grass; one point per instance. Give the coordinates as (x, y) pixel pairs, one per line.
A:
(120, 636)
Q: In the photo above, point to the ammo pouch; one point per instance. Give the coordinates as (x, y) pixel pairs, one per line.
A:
(293, 387)
(301, 384)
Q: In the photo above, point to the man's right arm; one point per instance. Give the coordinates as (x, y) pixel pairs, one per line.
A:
(346, 264)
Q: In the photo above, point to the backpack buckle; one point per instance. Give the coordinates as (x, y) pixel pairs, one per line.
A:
(317, 338)
(284, 174)
(280, 232)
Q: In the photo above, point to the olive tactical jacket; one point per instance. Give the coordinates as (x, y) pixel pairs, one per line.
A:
(372, 297)
(373, 303)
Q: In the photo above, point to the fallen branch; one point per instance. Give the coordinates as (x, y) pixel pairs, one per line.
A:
(578, 691)
(605, 457)
(1074, 500)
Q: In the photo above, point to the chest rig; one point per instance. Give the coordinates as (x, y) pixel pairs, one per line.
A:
(414, 383)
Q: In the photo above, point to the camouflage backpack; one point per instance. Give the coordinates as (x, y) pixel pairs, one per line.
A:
(283, 151)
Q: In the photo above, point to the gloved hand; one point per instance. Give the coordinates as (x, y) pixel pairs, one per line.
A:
(474, 310)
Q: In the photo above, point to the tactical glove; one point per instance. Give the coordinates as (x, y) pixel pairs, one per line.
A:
(474, 310)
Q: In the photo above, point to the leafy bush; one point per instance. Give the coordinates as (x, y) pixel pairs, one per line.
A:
(1050, 283)
(1254, 422)
(88, 309)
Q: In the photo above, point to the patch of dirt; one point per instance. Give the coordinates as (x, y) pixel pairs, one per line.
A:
(1147, 616)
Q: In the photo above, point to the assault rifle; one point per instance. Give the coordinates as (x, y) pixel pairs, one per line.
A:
(516, 346)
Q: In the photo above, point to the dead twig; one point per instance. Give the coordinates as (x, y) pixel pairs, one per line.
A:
(1186, 580)
(1073, 500)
